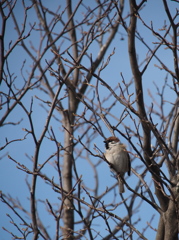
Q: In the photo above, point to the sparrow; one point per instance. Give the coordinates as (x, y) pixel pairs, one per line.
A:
(118, 157)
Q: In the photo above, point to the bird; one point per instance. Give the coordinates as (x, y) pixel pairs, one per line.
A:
(118, 158)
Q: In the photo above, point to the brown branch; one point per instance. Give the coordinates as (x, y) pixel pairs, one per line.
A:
(140, 99)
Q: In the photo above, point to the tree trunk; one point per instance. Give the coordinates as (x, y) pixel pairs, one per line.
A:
(168, 224)
(68, 214)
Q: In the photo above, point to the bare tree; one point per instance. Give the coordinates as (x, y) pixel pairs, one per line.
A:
(62, 92)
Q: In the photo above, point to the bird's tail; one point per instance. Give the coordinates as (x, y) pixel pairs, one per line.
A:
(121, 185)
